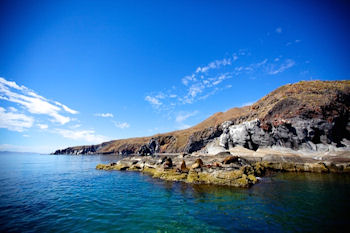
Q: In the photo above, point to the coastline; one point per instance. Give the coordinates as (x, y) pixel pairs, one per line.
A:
(238, 167)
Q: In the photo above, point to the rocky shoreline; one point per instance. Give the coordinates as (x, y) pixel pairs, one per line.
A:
(238, 167)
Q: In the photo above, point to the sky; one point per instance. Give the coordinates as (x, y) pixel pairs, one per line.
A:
(85, 72)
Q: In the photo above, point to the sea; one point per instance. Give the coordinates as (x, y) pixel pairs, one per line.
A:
(65, 193)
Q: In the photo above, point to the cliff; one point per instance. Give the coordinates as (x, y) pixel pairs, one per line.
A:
(312, 115)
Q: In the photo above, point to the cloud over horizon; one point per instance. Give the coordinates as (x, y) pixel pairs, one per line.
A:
(34, 103)
(85, 135)
(15, 121)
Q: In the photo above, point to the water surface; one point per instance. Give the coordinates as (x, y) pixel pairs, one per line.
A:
(62, 193)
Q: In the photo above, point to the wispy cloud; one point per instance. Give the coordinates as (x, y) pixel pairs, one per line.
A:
(42, 126)
(153, 100)
(34, 103)
(121, 125)
(183, 126)
(84, 135)
(75, 126)
(279, 68)
(104, 114)
(210, 79)
(248, 103)
(278, 30)
(71, 111)
(15, 121)
(182, 116)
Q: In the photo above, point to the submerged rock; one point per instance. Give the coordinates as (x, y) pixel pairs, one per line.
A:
(234, 171)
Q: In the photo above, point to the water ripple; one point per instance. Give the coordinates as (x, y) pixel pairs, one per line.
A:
(41, 193)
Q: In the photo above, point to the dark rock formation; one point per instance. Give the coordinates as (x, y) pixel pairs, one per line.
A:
(201, 138)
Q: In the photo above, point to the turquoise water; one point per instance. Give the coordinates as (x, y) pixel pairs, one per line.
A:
(41, 193)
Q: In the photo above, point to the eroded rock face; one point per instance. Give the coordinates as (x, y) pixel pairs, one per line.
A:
(155, 145)
(313, 134)
(200, 139)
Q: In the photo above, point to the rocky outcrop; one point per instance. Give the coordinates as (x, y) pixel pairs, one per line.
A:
(226, 168)
(156, 145)
(199, 173)
(296, 134)
(200, 139)
(79, 150)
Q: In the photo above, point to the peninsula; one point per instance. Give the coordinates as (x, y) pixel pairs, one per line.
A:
(301, 127)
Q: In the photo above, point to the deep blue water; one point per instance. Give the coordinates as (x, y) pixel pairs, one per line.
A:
(41, 193)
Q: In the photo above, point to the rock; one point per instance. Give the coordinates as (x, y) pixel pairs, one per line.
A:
(223, 154)
(200, 139)
(316, 167)
(214, 147)
(294, 133)
(230, 159)
(253, 179)
(259, 169)
(144, 150)
(197, 164)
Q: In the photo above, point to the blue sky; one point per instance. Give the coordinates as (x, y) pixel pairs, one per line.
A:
(83, 72)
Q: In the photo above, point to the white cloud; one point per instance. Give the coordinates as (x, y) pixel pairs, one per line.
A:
(75, 126)
(71, 111)
(213, 78)
(215, 64)
(33, 102)
(182, 116)
(248, 103)
(276, 69)
(153, 100)
(15, 121)
(121, 125)
(183, 126)
(42, 126)
(12, 109)
(104, 114)
(85, 135)
(279, 30)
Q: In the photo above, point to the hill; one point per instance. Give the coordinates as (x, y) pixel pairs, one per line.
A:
(299, 115)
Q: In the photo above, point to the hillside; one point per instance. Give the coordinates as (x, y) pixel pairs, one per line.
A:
(323, 104)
